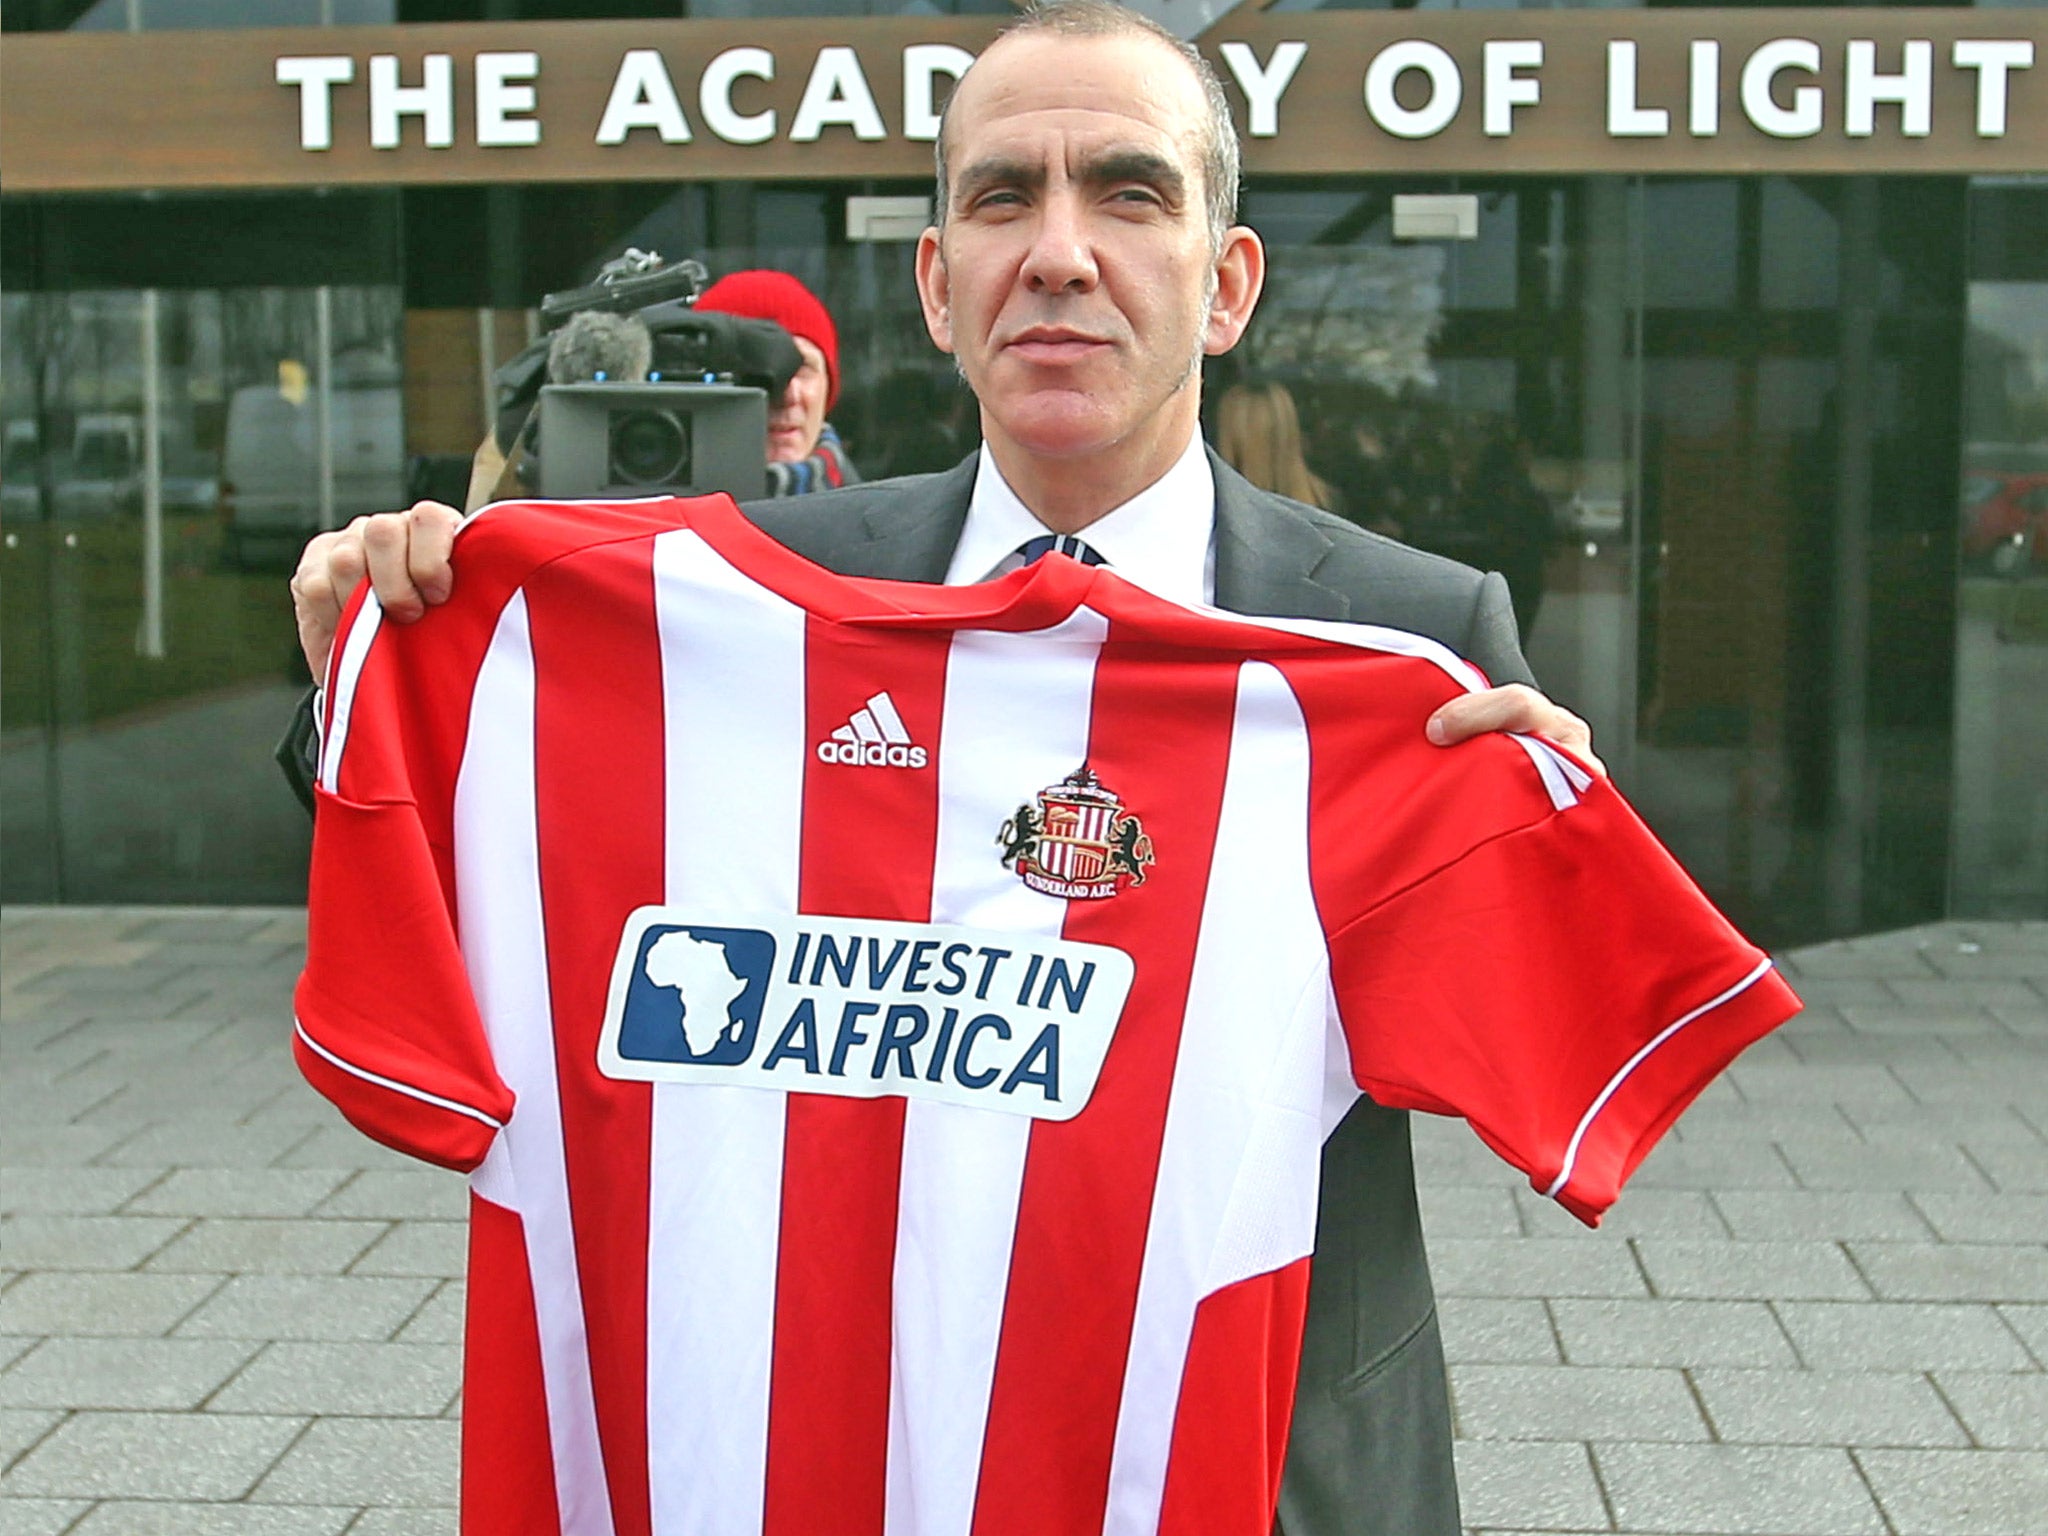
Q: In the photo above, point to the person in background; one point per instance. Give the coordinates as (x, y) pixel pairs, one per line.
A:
(1258, 434)
(804, 453)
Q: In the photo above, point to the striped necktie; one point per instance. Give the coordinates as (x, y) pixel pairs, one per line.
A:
(1033, 550)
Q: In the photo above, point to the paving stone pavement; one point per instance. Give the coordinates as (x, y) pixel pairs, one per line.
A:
(1821, 1309)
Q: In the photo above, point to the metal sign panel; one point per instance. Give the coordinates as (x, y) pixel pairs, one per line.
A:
(1327, 92)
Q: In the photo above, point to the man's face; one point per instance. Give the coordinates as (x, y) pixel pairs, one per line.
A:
(1073, 278)
(795, 420)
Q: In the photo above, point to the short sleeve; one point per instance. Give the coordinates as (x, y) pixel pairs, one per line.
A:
(1563, 986)
(386, 1026)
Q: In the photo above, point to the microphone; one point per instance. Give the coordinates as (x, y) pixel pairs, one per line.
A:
(597, 347)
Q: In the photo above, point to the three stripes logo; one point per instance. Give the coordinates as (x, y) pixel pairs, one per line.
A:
(874, 738)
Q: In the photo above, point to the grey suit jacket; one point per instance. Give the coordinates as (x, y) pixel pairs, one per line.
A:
(1370, 1453)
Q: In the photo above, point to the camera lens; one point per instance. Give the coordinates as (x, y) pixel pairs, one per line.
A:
(650, 448)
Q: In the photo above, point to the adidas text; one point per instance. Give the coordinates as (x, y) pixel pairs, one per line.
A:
(871, 754)
(874, 738)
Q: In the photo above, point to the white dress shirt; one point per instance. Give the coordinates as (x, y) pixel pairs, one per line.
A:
(1163, 538)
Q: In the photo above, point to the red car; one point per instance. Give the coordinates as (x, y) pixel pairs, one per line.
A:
(2005, 521)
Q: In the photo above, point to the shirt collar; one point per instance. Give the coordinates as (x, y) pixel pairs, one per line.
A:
(1161, 538)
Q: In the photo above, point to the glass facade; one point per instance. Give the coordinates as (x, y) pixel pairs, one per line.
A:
(1764, 459)
(188, 392)
(1711, 430)
(2000, 827)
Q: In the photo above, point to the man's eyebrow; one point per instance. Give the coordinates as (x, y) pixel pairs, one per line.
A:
(998, 171)
(1143, 166)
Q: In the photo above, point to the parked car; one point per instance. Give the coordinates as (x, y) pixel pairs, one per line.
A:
(105, 475)
(21, 495)
(2005, 521)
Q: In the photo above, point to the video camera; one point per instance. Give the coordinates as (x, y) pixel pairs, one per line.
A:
(633, 392)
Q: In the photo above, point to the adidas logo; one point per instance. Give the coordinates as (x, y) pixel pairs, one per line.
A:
(873, 738)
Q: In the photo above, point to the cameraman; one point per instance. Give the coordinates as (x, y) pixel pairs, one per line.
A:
(804, 453)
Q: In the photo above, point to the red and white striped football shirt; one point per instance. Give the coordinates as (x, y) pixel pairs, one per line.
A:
(893, 1027)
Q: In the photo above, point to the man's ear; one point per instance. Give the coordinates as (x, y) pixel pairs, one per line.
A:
(1240, 279)
(934, 290)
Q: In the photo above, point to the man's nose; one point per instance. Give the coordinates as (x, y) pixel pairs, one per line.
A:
(1062, 257)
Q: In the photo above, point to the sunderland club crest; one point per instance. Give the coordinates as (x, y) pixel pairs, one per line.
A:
(1077, 841)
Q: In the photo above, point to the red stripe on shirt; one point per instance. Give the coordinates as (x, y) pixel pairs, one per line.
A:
(1160, 739)
(598, 766)
(1362, 848)
(1236, 1397)
(508, 1469)
(493, 556)
(869, 838)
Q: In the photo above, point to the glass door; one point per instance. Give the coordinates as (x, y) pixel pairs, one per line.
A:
(167, 452)
(1800, 369)
(1462, 359)
(2001, 681)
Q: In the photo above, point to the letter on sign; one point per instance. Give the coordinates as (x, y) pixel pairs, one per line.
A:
(837, 94)
(714, 96)
(1506, 90)
(1263, 88)
(1991, 58)
(432, 100)
(1625, 119)
(1801, 120)
(1912, 88)
(643, 96)
(1446, 89)
(923, 63)
(316, 77)
(1703, 117)
(497, 98)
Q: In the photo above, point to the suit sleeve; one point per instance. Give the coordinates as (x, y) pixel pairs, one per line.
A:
(386, 1026)
(298, 750)
(1562, 985)
(1492, 642)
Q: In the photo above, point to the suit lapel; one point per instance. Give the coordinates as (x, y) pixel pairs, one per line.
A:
(912, 538)
(1266, 550)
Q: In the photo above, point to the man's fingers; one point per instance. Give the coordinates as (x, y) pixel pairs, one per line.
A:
(1514, 707)
(408, 557)
(386, 537)
(404, 555)
(428, 551)
(329, 568)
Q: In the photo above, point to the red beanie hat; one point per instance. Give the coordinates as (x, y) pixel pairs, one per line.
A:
(766, 295)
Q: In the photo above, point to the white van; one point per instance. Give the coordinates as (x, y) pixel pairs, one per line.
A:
(270, 461)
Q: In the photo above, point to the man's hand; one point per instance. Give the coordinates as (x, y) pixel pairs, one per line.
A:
(1515, 707)
(405, 555)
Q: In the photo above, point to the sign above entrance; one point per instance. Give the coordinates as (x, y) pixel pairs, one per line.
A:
(1324, 92)
(1667, 91)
